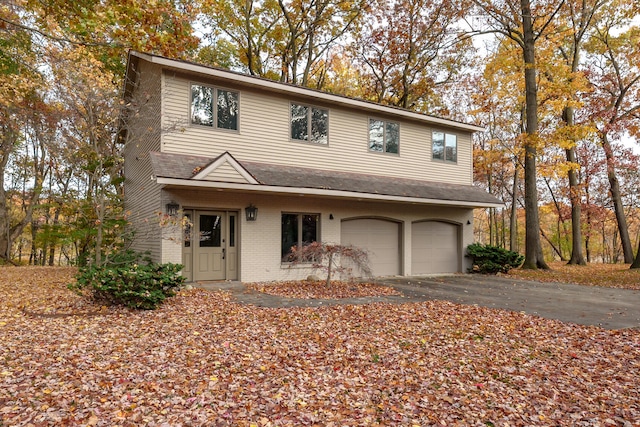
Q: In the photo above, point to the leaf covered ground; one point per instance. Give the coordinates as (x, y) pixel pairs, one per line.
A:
(306, 289)
(203, 360)
(609, 275)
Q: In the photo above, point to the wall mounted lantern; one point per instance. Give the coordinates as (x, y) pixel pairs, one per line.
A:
(172, 209)
(251, 212)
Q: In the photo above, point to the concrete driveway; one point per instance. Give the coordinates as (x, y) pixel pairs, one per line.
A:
(607, 308)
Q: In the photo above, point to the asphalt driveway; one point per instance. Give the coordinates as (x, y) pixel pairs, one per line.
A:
(608, 308)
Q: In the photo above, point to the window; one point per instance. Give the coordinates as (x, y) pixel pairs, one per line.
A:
(225, 113)
(384, 136)
(309, 124)
(187, 229)
(298, 230)
(445, 147)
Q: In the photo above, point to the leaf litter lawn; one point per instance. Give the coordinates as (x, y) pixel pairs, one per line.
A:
(203, 360)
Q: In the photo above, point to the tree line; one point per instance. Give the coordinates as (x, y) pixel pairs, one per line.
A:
(555, 83)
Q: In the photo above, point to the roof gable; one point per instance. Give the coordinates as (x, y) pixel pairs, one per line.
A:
(225, 169)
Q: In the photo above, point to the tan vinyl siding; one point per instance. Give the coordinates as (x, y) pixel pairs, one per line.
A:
(142, 195)
(264, 136)
(226, 173)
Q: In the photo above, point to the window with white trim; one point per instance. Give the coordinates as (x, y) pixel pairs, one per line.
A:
(214, 107)
(384, 137)
(309, 124)
(444, 147)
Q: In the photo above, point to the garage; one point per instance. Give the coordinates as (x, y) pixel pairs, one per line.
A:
(435, 248)
(381, 238)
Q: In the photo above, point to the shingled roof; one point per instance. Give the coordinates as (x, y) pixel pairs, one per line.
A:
(185, 167)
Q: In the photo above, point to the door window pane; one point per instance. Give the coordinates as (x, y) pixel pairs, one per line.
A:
(227, 109)
(232, 231)
(210, 231)
(187, 231)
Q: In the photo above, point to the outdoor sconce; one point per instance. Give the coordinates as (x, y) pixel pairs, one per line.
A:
(468, 222)
(172, 209)
(330, 216)
(251, 212)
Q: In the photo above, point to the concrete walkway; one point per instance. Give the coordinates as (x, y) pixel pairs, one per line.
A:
(607, 308)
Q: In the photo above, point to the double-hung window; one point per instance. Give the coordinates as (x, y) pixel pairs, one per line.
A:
(214, 107)
(298, 229)
(384, 137)
(445, 147)
(309, 124)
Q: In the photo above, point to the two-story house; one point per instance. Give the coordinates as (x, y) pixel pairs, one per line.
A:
(259, 166)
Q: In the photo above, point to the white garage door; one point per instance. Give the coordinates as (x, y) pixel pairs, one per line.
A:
(380, 238)
(434, 248)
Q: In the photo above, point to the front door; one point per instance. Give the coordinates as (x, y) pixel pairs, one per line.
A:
(214, 249)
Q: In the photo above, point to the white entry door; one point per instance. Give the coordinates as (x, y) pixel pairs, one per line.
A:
(215, 249)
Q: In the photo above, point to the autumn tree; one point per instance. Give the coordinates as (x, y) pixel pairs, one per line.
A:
(410, 51)
(277, 39)
(525, 25)
(614, 103)
(499, 105)
(82, 46)
(579, 19)
(24, 128)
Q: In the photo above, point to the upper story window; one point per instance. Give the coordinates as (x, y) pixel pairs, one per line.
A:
(214, 107)
(384, 136)
(445, 147)
(309, 124)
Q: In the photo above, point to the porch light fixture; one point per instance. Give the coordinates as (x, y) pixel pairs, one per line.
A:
(172, 209)
(468, 222)
(251, 212)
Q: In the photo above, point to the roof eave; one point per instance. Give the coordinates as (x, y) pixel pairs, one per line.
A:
(303, 191)
(274, 86)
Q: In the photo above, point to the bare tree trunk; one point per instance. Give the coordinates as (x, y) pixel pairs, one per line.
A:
(577, 258)
(54, 241)
(513, 218)
(533, 248)
(616, 197)
(636, 262)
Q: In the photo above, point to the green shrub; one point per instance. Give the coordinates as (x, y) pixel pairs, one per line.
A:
(129, 279)
(489, 259)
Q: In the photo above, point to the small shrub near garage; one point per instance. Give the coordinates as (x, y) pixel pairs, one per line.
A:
(489, 259)
(129, 279)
